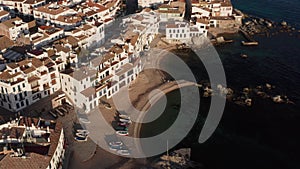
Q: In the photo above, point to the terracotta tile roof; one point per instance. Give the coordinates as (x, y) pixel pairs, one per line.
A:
(14, 132)
(36, 62)
(6, 75)
(33, 161)
(116, 49)
(69, 19)
(54, 138)
(2, 13)
(226, 4)
(88, 92)
(134, 39)
(33, 78)
(201, 20)
(107, 57)
(60, 48)
(33, 1)
(171, 26)
(10, 23)
(82, 73)
(51, 10)
(5, 42)
(86, 27)
(29, 70)
(12, 65)
(72, 40)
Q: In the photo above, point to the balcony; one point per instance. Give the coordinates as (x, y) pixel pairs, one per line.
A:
(100, 86)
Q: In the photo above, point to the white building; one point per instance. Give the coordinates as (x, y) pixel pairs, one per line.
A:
(29, 5)
(13, 28)
(25, 82)
(168, 12)
(58, 15)
(45, 35)
(183, 32)
(149, 3)
(106, 74)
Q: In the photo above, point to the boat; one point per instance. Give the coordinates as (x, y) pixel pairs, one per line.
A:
(84, 120)
(123, 152)
(125, 120)
(82, 131)
(80, 139)
(53, 114)
(122, 133)
(118, 128)
(116, 143)
(123, 124)
(124, 116)
(252, 43)
(244, 55)
(81, 135)
(114, 147)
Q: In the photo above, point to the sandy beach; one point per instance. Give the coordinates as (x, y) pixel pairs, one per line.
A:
(139, 90)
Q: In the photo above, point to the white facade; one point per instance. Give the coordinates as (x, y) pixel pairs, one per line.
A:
(13, 28)
(23, 83)
(106, 74)
(149, 3)
(183, 32)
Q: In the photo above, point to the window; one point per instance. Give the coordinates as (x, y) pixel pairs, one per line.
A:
(16, 97)
(18, 106)
(23, 84)
(22, 103)
(170, 31)
(25, 93)
(14, 89)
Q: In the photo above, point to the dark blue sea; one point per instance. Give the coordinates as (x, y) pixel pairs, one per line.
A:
(265, 135)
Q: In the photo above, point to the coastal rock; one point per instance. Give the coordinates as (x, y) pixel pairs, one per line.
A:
(283, 23)
(269, 86)
(278, 99)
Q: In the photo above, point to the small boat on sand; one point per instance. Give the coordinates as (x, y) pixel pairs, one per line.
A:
(244, 56)
(125, 120)
(82, 131)
(123, 124)
(122, 133)
(123, 152)
(81, 135)
(80, 139)
(116, 143)
(123, 116)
